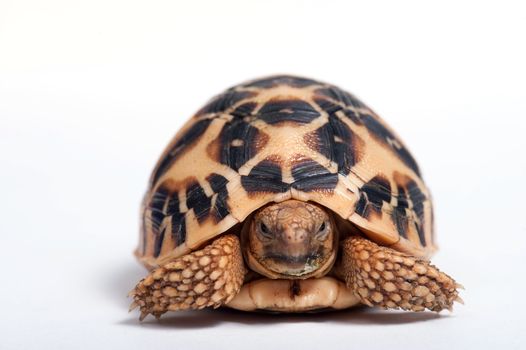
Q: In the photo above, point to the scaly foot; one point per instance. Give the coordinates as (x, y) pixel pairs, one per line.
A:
(384, 277)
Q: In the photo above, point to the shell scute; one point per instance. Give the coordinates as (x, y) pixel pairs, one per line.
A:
(224, 102)
(278, 111)
(239, 142)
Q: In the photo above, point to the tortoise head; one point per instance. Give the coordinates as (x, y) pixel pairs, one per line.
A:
(291, 239)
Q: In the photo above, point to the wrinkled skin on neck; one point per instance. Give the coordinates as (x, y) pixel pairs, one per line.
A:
(291, 239)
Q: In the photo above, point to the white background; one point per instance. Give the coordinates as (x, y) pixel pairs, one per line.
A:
(91, 92)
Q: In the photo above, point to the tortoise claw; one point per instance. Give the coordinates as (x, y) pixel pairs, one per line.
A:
(133, 306)
(143, 315)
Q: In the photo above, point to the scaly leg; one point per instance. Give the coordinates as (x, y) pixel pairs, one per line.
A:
(211, 276)
(384, 277)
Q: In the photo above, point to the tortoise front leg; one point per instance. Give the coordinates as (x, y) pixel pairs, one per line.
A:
(384, 277)
(211, 276)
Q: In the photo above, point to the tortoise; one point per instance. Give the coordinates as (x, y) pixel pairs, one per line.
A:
(286, 194)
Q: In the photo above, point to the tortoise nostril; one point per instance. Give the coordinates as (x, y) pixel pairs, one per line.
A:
(295, 236)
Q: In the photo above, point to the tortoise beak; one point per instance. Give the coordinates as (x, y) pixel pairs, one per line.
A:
(293, 265)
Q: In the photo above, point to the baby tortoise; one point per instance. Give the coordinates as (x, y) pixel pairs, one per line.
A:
(287, 194)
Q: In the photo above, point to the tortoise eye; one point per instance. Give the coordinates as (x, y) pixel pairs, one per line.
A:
(265, 231)
(322, 231)
(264, 228)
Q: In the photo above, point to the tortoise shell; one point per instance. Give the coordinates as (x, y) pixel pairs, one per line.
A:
(279, 138)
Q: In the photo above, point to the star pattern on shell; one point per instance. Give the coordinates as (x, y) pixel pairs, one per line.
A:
(278, 138)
